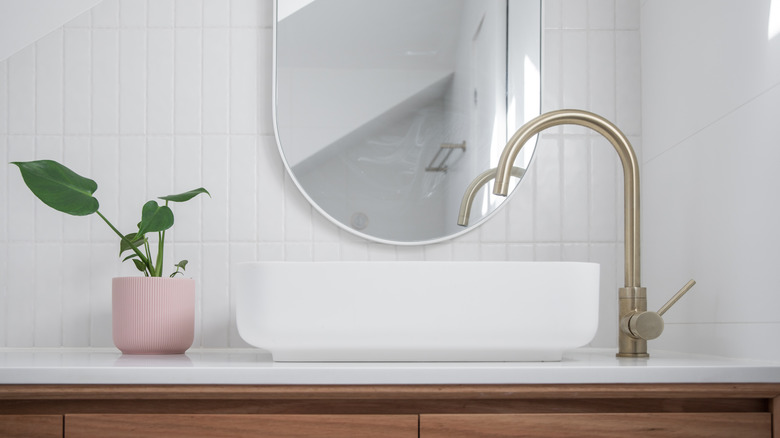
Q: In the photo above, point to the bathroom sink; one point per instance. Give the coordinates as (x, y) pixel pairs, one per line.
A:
(417, 311)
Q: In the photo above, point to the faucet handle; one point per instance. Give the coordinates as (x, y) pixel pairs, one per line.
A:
(650, 325)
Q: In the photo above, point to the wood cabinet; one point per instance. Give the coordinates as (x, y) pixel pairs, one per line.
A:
(23, 426)
(240, 426)
(426, 411)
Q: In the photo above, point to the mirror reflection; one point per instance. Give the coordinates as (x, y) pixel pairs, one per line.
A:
(386, 110)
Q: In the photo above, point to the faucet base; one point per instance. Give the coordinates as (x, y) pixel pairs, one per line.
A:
(631, 300)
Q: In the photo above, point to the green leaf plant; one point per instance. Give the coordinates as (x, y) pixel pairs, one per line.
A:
(64, 190)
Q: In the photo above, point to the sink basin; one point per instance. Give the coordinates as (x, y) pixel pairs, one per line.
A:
(417, 311)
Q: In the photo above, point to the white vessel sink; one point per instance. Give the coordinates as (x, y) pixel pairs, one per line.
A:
(417, 311)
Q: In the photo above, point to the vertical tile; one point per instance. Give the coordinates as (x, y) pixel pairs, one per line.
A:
(132, 81)
(21, 91)
(576, 190)
(575, 61)
(160, 13)
(548, 252)
(521, 208)
(5, 173)
(105, 81)
(105, 171)
(601, 14)
(4, 256)
(326, 251)
(244, 13)
(159, 163)
(298, 252)
(216, 13)
(243, 81)
(242, 212)
(187, 81)
(215, 297)
(271, 197)
(104, 265)
(604, 191)
(76, 156)
(266, 13)
(574, 14)
(297, 214)
(132, 13)
(48, 83)
(628, 81)
(439, 252)
(216, 80)
(381, 252)
(106, 14)
(159, 71)
(239, 253)
(552, 11)
(132, 172)
(493, 252)
(189, 13)
(605, 256)
(77, 111)
(4, 97)
(627, 14)
(547, 220)
(19, 318)
(216, 161)
(265, 82)
(187, 176)
(76, 313)
(601, 73)
(521, 252)
(552, 70)
(21, 224)
(48, 295)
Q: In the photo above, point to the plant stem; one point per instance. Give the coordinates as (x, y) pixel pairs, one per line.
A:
(160, 247)
(122, 237)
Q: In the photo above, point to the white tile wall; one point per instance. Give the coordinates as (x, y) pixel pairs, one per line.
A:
(150, 98)
(711, 103)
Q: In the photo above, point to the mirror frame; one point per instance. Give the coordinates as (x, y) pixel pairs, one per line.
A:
(518, 51)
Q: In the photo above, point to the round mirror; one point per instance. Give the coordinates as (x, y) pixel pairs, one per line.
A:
(386, 110)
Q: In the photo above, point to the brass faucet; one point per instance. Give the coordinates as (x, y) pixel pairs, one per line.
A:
(637, 325)
(473, 188)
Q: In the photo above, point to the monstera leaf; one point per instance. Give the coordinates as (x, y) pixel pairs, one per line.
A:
(59, 187)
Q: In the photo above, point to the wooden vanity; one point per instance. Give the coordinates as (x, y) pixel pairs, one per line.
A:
(216, 394)
(429, 411)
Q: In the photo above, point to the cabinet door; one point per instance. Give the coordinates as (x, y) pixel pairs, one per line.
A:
(31, 426)
(240, 426)
(650, 425)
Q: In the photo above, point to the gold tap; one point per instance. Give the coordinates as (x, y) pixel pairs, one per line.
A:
(473, 188)
(637, 325)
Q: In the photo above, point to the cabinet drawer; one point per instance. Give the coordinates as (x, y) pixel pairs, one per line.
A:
(31, 426)
(240, 426)
(646, 425)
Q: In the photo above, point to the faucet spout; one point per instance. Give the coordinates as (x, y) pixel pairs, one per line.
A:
(632, 296)
(473, 188)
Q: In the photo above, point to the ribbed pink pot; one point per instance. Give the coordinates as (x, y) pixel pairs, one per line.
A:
(153, 315)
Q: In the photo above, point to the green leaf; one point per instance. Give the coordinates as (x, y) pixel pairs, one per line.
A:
(182, 264)
(59, 187)
(134, 238)
(154, 218)
(186, 196)
(139, 265)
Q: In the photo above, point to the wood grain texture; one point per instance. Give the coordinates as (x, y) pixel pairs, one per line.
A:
(31, 426)
(750, 425)
(776, 417)
(241, 426)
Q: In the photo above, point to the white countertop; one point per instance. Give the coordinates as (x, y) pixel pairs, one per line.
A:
(255, 367)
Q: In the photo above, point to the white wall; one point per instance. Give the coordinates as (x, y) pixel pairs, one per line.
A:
(711, 113)
(149, 98)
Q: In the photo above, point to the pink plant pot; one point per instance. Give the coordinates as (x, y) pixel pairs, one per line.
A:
(153, 315)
